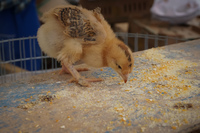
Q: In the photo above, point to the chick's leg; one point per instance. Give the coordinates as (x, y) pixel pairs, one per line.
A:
(65, 70)
(77, 77)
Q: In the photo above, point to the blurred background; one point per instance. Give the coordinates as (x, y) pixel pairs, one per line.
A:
(141, 24)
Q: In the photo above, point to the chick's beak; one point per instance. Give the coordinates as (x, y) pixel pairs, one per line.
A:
(125, 77)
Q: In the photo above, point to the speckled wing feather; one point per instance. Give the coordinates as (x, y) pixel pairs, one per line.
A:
(77, 25)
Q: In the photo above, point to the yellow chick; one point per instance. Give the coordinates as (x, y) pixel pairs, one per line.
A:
(72, 33)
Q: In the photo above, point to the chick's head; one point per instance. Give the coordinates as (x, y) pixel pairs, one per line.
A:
(121, 60)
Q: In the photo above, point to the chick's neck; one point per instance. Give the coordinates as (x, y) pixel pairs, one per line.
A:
(110, 51)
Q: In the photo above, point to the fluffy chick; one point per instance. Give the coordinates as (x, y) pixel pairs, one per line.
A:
(71, 33)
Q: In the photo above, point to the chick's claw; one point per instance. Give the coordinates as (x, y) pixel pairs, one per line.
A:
(82, 69)
(82, 81)
(94, 79)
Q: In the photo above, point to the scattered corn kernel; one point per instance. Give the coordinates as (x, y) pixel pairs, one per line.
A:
(119, 109)
(48, 92)
(26, 100)
(186, 121)
(111, 122)
(109, 128)
(129, 124)
(62, 126)
(123, 119)
(174, 127)
(142, 129)
(149, 100)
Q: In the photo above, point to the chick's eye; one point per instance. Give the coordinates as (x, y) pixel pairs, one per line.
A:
(119, 66)
(130, 65)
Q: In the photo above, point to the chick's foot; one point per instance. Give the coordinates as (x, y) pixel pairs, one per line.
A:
(85, 81)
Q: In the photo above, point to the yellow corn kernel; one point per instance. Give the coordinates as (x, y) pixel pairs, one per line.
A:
(48, 92)
(123, 119)
(186, 121)
(174, 127)
(111, 122)
(26, 100)
(149, 100)
(152, 118)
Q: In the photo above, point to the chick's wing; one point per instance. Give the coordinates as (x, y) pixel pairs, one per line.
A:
(81, 24)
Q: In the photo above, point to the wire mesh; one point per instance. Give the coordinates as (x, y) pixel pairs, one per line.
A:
(17, 61)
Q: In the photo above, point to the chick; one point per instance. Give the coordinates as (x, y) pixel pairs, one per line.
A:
(72, 33)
